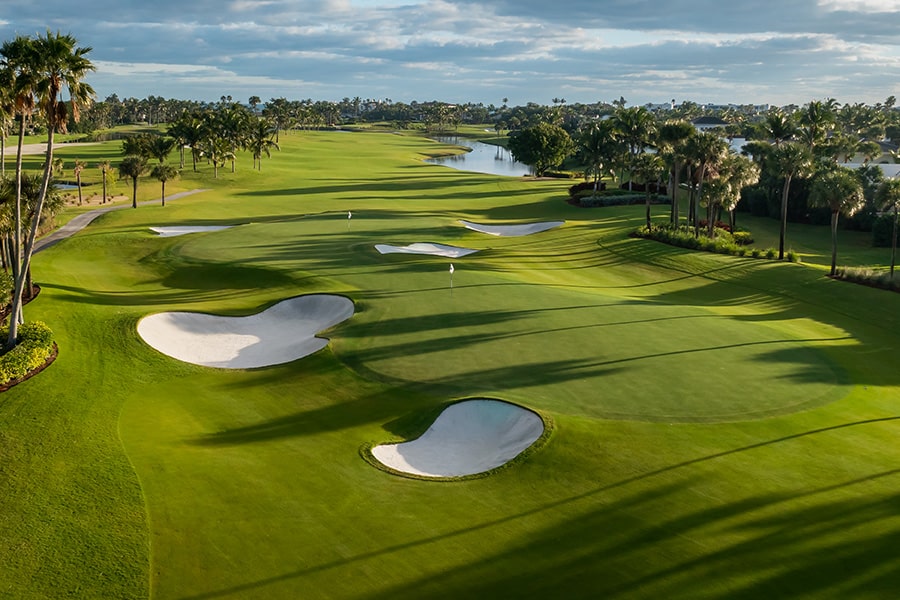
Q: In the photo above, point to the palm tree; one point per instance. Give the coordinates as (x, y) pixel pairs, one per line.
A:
(648, 168)
(104, 171)
(636, 127)
(599, 146)
(888, 196)
(134, 167)
(164, 172)
(673, 137)
(736, 172)
(57, 62)
(839, 189)
(779, 127)
(159, 147)
(789, 160)
(79, 167)
(816, 119)
(706, 150)
(259, 140)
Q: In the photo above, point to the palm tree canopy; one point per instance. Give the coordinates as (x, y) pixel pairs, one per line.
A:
(132, 166)
(62, 65)
(164, 172)
(888, 194)
(839, 189)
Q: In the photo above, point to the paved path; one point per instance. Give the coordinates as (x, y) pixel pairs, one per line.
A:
(85, 219)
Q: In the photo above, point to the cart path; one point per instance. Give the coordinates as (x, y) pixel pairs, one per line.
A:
(85, 219)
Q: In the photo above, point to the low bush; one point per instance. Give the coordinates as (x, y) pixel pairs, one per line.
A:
(34, 348)
(870, 277)
(742, 238)
(724, 243)
(585, 186)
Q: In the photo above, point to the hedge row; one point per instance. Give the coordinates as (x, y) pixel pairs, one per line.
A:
(870, 277)
(34, 348)
(723, 243)
(620, 199)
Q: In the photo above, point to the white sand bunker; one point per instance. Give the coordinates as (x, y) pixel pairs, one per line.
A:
(467, 438)
(282, 333)
(425, 248)
(186, 229)
(512, 230)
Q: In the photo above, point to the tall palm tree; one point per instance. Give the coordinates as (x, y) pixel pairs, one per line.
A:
(734, 174)
(159, 147)
(164, 172)
(134, 167)
(779, 127)
(260, 140)
(104, 167)
(636, 127)
(888, 196)
(648, 168)
(79, 167)
(789, 160)
(672, 138)
(57, 63)
(705, 150)
(816, 120)
(599, 146)
(839, 189)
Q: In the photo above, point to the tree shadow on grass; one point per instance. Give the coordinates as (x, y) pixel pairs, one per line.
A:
(836, 539)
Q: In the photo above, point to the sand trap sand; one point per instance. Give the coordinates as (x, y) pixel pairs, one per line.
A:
(512, 230)
(469, 437)
(282, 333)
(186, 229)
(425, 248)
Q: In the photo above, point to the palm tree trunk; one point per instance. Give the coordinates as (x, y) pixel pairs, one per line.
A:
(647, 187)
(834, 223)
(784, 204)
(134, 192)
(894, 242)
(15, 314)
(163, 192)
(78, 179)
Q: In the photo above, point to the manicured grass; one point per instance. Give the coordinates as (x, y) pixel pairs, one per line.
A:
(724, 426)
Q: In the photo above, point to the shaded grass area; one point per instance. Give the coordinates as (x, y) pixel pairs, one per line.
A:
(723, 425)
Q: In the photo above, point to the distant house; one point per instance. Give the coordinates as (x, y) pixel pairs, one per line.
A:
(888, 151)
(707, 123)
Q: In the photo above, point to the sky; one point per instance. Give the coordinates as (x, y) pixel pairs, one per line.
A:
(706, 51)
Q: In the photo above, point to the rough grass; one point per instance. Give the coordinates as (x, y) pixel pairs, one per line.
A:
(723, 425)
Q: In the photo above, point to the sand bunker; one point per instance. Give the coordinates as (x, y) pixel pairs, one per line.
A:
(512, 230)
(282, 333)
(467, 438)
(425, 248)
(186, 229)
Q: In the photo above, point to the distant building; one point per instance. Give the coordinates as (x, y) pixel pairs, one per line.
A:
(707, 123)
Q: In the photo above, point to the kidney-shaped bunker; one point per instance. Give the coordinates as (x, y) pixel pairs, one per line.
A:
(282, 333)
(512, 230)
(467, 438)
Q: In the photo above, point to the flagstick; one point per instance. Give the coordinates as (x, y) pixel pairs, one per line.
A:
(451, 280)
(349, 216)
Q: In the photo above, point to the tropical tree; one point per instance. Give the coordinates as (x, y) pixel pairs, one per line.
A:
(816, 120)
(888, 196)
(705, 150)
(134, 167)
(599, 147)
(79, 167)
(260, 140)
(105, 168)
(541, 146)
(735, 172)
(672, 139)
(789, 160)
(779, 127)
(159, 147)
(636, 127)
(56, 62)
(838, 189)
(164, 172)
(648, 168)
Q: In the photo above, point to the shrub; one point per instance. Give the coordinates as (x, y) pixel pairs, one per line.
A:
(755, 253)
(793, 256)
(742, 238)
(883, 231)
(771, 253)
(870, 277)
(34, 348)
(616, 198)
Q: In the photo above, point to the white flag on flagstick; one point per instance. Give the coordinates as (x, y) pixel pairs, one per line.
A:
(451, 268)
(349, 215)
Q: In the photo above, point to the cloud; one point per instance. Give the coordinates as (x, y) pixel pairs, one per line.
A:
(463, 50)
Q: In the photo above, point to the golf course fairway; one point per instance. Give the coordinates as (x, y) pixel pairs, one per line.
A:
(722, 427)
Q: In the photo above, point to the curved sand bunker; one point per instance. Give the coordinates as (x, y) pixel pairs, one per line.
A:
(282, 333)
(512, 230)
(468, 437)
(186, 229)
(425, 248)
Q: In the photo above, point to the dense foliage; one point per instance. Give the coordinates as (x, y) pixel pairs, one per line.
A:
(34, 348)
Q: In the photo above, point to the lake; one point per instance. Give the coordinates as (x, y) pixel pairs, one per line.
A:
(484, 158)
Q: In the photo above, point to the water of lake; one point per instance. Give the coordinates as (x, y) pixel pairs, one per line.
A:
(484, 158)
